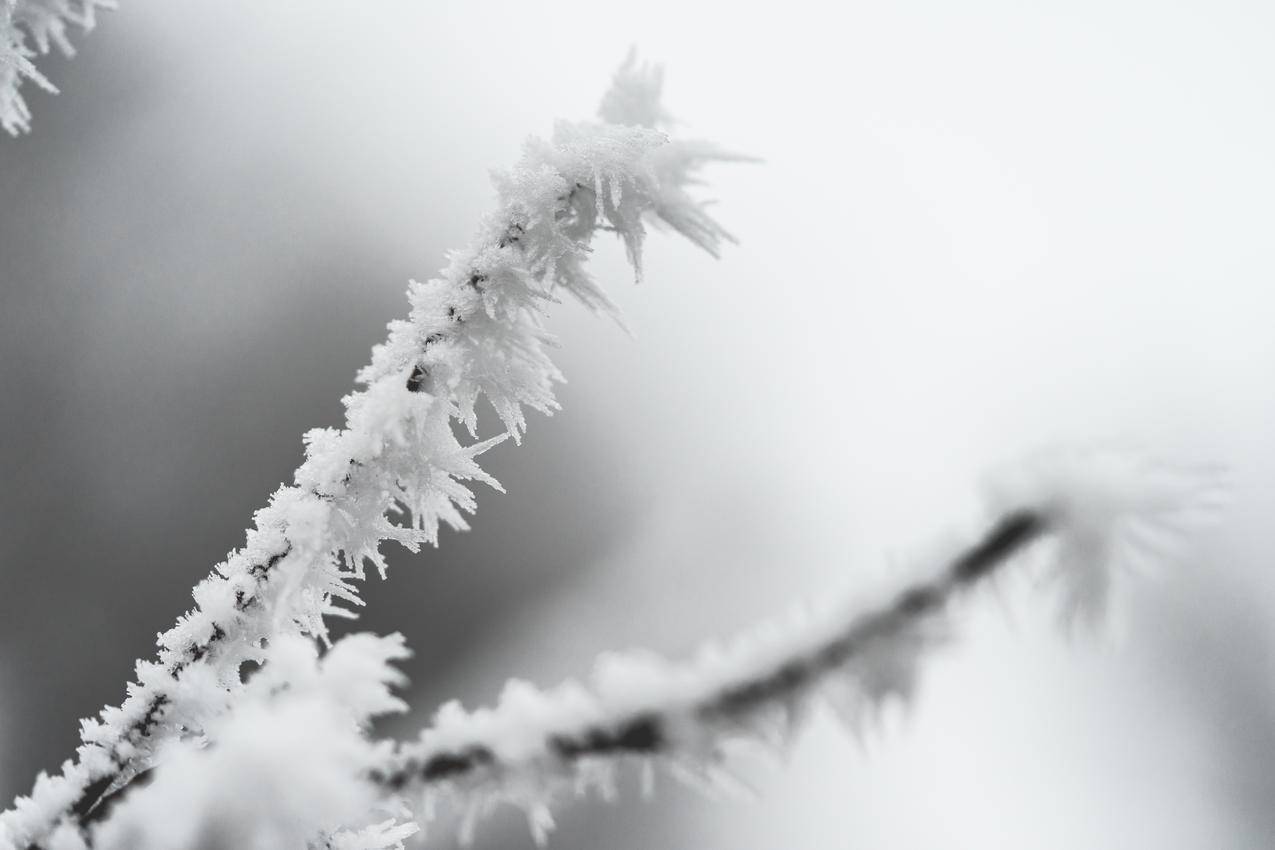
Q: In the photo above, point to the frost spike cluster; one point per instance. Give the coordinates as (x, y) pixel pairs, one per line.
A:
(284, 764)
(1100, 513)
(397, 470)
(29, 28)
(283, 760)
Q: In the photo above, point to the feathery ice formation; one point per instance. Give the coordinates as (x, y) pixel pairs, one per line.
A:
(288, 767)
(1092, 515)
(397, 470)
(284, 760)
(29, 28)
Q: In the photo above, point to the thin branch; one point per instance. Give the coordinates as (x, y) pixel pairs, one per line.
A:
(656, 729)
(474, 332)
(1093, 509)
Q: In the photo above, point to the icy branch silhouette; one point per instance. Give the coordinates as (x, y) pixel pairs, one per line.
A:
(283, 759)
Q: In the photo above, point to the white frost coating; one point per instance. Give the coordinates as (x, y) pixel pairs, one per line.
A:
(1089, 510)
(1121, 512)
(386, 835)
(284, 760)
(634, 97)
(397, 470)
(29, 28)
(286, 764)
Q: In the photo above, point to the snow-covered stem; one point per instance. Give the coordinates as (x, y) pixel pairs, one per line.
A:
(396, 471)
(285, 767)
(282, 759)
(673, 722)
(1094, 515)
(279, 766)
(29, 28)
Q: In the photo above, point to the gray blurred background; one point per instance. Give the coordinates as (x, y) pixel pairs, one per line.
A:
(974, 233)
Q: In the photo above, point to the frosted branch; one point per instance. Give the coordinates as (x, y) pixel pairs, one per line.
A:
(283, 759)
(397, 470)
(1099, 513)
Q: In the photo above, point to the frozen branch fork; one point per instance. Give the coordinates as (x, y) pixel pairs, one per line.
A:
(281, 759)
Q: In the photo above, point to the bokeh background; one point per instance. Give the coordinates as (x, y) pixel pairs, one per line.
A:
(979, 228)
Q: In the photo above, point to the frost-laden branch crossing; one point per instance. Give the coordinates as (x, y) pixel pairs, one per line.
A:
(474, 332)
(1091, 515)
(282, 759)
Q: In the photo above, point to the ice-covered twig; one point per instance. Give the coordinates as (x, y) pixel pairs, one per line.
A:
(397, 470)
(29, 28)
(1099, 513)
(279, 768)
